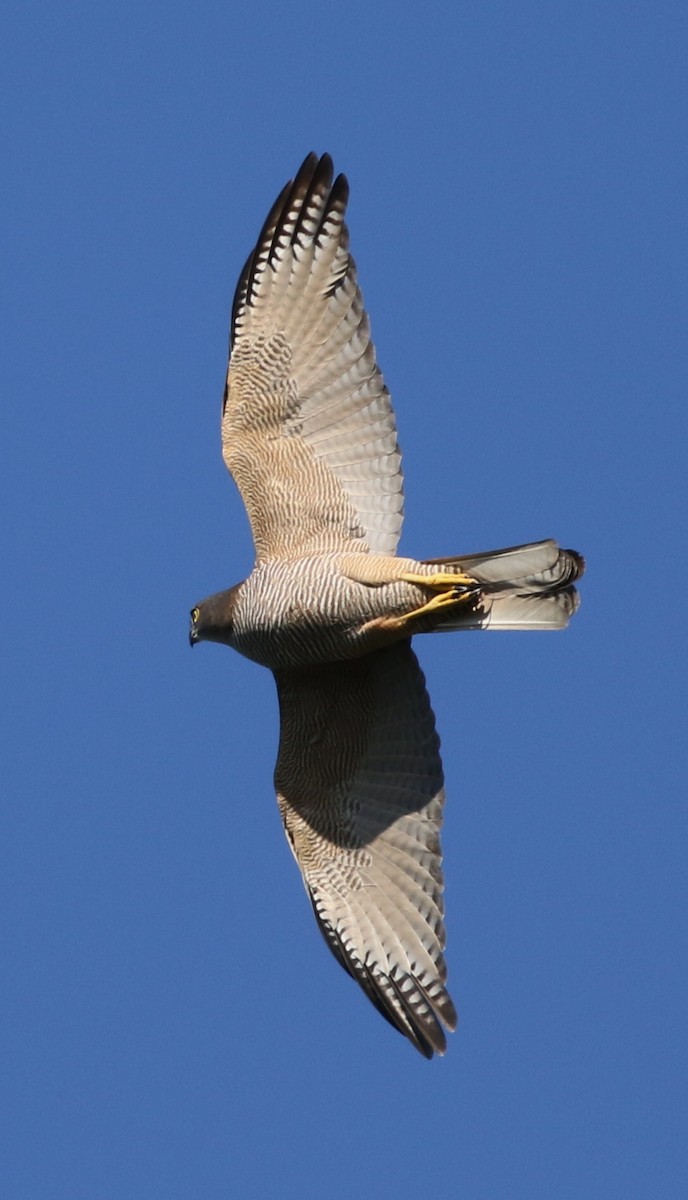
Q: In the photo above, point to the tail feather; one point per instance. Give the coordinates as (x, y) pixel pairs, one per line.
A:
(509, 610)
(525, 587)
(529, 568)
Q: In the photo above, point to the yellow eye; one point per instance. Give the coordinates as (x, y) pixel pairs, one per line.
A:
(195, 614)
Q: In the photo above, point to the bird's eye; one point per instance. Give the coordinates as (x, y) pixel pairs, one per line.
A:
(195, 614)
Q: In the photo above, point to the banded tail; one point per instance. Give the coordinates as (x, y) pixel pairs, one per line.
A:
(525, 587)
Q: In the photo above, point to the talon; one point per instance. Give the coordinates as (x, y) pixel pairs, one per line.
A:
(465, 591)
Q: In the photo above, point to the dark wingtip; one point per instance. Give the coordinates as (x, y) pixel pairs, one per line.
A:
(308, 165)
(340, 190)
(314, 173)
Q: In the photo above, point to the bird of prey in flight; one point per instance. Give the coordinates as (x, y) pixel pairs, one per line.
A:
(309, 435)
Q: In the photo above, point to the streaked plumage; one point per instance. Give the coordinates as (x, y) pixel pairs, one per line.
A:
(309, 434)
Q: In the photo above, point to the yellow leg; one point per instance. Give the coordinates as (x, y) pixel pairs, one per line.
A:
(452, 597)
(452, 588)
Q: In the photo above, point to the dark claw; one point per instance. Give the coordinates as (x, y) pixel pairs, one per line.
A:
(466, 591)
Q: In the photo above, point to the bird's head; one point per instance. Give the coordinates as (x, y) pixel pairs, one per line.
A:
(213, 619)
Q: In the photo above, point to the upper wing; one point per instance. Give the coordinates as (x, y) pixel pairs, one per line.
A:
(360, 788)
(308, 430)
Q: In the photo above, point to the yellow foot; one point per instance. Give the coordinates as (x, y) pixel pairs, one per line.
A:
(452, 598)
(453, 590)
(442, 581)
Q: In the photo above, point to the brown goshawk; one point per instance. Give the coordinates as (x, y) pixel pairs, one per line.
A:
(309, 435)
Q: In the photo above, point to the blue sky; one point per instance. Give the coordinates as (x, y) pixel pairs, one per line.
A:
(174, 1025)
